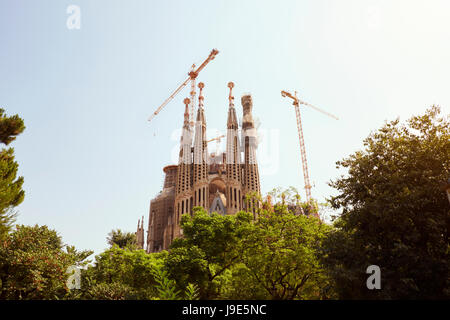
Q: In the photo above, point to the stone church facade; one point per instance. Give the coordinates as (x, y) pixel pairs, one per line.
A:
(217, 182)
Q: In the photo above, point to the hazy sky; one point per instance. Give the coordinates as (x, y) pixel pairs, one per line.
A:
(91, 160)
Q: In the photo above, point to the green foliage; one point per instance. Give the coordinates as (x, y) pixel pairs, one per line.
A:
(11, 193)
(291, 199)
(131, 268)
(123, 274)
(240, 284)
(33, 264)
(280, 253)
(166, 287)
(10, 127)
(192, 292)
(238, 257)
(209, 247)
(394, 214)
(289, 196)
(110, 291)
(122, 239)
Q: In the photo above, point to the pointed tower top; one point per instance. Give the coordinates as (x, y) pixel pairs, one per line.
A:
(247, 106)
(186, 102)
(232, 119)
(201, 85)
(230, 96)
(200, 113)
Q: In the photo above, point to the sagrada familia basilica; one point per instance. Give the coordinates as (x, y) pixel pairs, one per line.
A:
(218, 183)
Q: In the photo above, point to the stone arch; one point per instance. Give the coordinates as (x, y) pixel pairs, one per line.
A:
(216, 185)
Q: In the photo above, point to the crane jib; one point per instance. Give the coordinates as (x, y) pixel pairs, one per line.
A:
(192, 76)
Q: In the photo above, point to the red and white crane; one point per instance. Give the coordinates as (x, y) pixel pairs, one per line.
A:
(297, 102)
(193, 74)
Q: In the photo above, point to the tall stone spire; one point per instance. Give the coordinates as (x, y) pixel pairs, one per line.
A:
(140, 234)
(183, 199)
(218, 186)
(186, 137)
(233, 159)
(200, 172)
(249, 141)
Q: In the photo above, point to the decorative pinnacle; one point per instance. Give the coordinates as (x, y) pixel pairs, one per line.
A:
(186, 101)
(201, 85)
(230, 96)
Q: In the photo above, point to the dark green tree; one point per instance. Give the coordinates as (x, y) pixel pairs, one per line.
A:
(272, 256)
(33, 264)
(122, 274)
(394, 213)
(122, 239)
(108, 291)
(210, 247)
(280, 252)
(11, 193)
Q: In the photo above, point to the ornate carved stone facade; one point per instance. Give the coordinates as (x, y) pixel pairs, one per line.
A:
(215, 182)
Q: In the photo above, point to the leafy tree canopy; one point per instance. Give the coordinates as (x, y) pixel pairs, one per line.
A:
(280, 252)
(10, 127)
(11, 193)
(394, 213)
(209, 247)
(238, 256)
(122, 239)
(132, 269)
(33, 264)
(120, 274)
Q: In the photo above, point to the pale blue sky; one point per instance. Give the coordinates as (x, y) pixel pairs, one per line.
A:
(92, 162)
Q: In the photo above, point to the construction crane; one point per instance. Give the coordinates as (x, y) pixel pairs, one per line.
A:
(218, 139)
(297, 102)
(193, 74)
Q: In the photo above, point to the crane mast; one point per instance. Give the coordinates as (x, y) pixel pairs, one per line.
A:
(296, 104)
(193, 74)
(302, 151)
